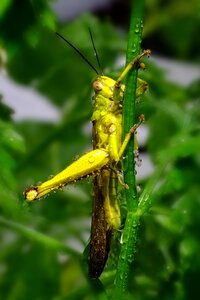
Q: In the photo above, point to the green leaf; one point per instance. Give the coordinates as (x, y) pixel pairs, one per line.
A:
(10, 138)
(4, 6)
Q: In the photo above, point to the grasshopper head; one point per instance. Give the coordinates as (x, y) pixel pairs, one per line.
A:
(105, 86)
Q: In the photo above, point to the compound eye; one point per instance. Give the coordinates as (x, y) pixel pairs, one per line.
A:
(97, 86)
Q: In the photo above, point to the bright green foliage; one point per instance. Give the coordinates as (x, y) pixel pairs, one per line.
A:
(167, 264)
(11, 146)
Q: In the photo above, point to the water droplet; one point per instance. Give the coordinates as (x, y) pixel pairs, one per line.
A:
(91, 159)
(130, 258)
(76, 157)
(137, 29)
(138, 162)
(121, 238)
(139, 189)
(134, 48)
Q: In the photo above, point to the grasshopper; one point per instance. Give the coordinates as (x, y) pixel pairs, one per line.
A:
(103, 162)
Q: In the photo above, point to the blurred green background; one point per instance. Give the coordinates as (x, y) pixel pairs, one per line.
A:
(33, 266)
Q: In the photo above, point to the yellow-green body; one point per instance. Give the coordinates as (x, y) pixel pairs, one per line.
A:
(102, 163)
(107, 117)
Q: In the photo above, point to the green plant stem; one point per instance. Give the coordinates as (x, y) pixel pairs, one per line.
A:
(38, 237)
(129, 237)
(129, 114)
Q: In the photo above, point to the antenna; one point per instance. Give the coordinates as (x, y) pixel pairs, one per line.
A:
(79, 52)
(95, 50)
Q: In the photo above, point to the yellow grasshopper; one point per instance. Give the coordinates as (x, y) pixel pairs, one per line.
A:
(102, 162)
